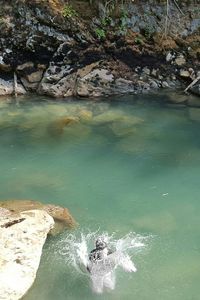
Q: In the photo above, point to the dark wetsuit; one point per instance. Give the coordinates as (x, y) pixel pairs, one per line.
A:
(97, 255)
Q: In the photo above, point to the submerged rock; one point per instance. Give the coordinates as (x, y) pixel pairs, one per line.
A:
(194, 114)
(56, 128)
(22, 237)
(126, 126)
(177, 98)
(62, 216)
(109, 116)
(85, 116)
(122, 129)
(62, 88)
(162, 223)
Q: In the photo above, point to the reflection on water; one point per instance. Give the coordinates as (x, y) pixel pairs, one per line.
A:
(121, 166)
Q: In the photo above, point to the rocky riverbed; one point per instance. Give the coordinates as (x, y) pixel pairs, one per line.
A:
(73, 48)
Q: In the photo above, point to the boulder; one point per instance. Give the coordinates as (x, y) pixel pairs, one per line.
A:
(62, 216)
(64, 87)
(85, 116)
(96, 83)
(177, 98)
(30, 76)
(35, 77)
(22, 237)
(30, 86)
(109, 117)
(121, 129)
(180, 60)
(25, 66)
(56, 128)
(7, 88)
(127, 126)
(184, 73)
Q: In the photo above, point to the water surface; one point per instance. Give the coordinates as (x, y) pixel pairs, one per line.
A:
(129, 165)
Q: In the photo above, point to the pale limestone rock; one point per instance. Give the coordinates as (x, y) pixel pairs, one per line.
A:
(165, 84)
(35, 76)
(180, 60)
(24, 66)
(169, 57)
(83, 89)
(102, 74)
(87, 69)
(60, 214)
(95, 83)
(184, 73)
(30, 86)
(22, 237)
(7, 88)
(146, 71)
(65, 87)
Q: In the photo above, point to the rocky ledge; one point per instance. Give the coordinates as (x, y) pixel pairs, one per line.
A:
(24, 226)
(62, 217)
(73, 48)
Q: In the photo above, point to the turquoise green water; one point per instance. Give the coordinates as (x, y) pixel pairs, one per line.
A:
(127, 165)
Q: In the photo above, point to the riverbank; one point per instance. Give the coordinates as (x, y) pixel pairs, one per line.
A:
(62, 49)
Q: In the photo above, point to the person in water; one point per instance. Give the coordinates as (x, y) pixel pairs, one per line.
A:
(102, 263)
(100, 252)
(100, 276)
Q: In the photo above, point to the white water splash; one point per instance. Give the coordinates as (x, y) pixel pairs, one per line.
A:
(75, 250)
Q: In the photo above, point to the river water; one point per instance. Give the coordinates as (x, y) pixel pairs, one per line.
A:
(130, 164)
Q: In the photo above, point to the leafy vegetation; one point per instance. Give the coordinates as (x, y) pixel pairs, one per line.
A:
(69, 12)
(100, 33)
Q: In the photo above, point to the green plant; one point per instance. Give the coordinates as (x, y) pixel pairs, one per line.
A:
(69, 11)
(106, 21)
(100, 33)
(123, 20)
(138, 40)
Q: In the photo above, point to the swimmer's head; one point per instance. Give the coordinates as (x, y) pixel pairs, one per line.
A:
(100, 244)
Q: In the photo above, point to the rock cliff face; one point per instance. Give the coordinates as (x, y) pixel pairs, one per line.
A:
(22, 237)
(63, 49)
